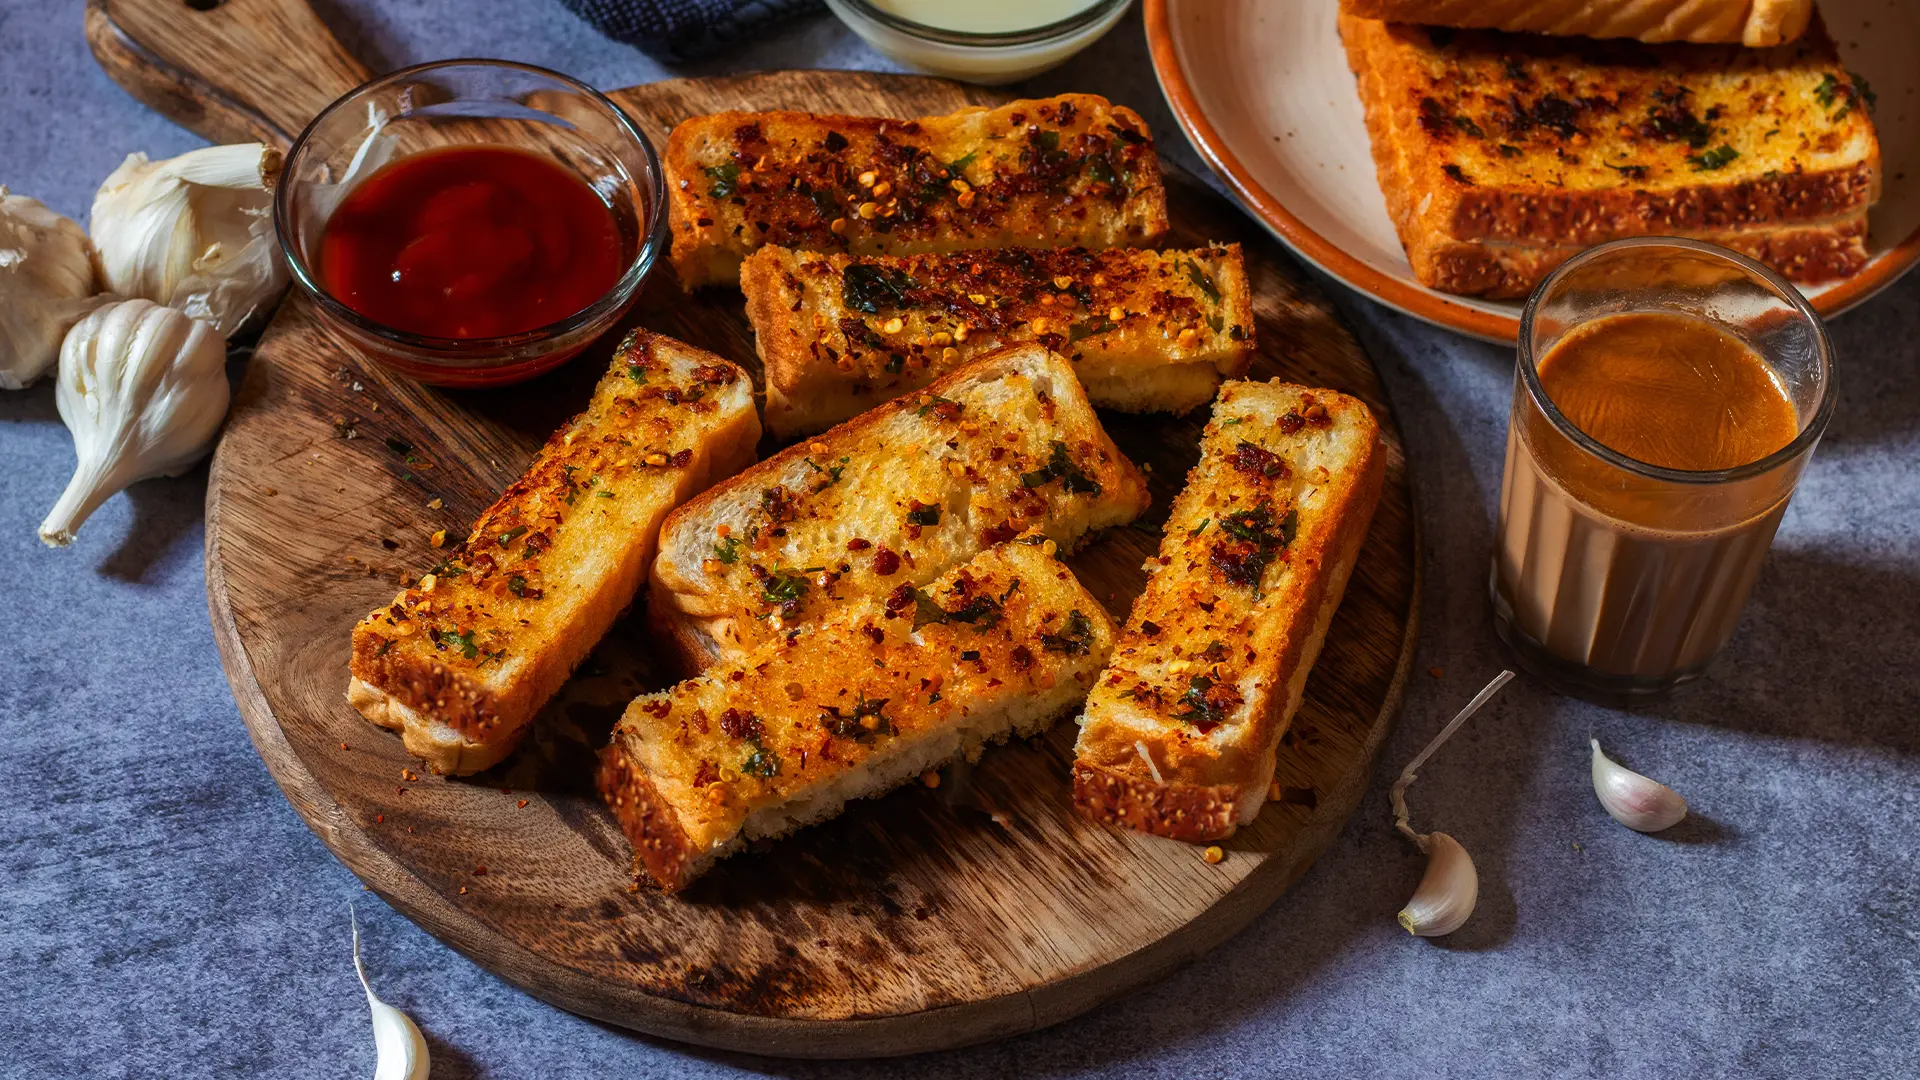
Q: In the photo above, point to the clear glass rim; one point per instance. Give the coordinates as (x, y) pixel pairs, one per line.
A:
(1061, 28)
(458, 350)
(1810, 432)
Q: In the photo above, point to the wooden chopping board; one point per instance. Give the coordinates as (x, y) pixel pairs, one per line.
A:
(915, 922)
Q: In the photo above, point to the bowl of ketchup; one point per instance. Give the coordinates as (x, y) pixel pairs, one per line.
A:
(471, 222)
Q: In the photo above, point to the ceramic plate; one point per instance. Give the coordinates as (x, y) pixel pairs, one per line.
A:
(1262, 89)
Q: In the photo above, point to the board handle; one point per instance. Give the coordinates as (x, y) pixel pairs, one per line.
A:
(227, 70)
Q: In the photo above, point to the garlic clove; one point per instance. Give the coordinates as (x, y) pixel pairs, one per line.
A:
(1447, 892)
(1638, 802)
(193, 232)
(400, 1051)
(143, 389)
(46, 285)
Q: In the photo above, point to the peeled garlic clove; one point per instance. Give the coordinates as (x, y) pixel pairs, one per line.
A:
(143, 389)
(400, 1051)
(1641, 804)
(46, 285)
(193, 232)
(1447, 892)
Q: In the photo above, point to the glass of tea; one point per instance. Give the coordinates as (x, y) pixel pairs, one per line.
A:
(1669, 394)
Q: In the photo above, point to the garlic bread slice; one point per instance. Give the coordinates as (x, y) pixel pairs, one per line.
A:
(460, 663)
(856, 705)
(1180, 733)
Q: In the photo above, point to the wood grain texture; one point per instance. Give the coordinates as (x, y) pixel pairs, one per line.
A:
(914, 922)
(229, 70)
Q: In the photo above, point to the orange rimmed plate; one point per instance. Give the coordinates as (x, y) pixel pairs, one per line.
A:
(1262, 89)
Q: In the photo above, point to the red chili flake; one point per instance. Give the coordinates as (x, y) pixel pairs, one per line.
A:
(1292, 422)
(899, 600)
(885, 562)
(998, 534)
(740, 725)
(681, 459)
(1149, 627)
(1257, 461)
(878, 635)
(1022, 657)
(857, 544)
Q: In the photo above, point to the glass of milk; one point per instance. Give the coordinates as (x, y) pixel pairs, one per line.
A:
(982, 41)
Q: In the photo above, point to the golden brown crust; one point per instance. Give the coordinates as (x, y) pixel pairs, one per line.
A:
(462, 660)
(1487, 137)
(1754, 23)
(660, 845)
(1061, 171)
(1145, 330)
(974, 451)
(1180, 733)
(1806, 254)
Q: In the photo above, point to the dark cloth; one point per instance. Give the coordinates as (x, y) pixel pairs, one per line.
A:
(675, 30)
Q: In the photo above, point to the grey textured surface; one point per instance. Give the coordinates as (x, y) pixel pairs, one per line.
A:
(163, 912)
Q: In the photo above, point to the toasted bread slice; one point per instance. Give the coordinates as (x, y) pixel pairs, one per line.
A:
(1065, 171)
(862, 702)
(893, 498)
(462, 661)
(1179, 734)
(1500, 154)
(1754, 23)
(1145, 330)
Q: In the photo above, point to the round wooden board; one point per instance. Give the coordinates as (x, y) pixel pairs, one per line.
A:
(913, 922)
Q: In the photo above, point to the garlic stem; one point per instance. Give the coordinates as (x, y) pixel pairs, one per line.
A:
(1398, 795)
(1638, 802)
(1447, 892)
(399, 1048)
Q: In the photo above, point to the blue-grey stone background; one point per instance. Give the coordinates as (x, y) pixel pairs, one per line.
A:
(164, 913)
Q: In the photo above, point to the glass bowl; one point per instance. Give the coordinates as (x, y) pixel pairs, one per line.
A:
(458, 103)
(988, 58)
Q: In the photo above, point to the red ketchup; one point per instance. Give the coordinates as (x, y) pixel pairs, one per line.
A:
(470, 242)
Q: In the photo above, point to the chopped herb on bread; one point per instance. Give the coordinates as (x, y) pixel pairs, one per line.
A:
(1179, 734)
(1144, 330)
(888, 501)
(862, 702)
(1071, 170)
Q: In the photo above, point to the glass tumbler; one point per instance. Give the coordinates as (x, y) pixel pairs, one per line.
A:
(1614, 579)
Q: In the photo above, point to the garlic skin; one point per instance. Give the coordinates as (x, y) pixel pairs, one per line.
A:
(1447, 892)
(1638, 802)
(193, 232)
(400, 1051)
(143, 388)
(46, 285)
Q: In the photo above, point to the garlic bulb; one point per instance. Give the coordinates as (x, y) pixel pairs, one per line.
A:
(1447, 892)
(143, 388)
(1639, 803)
(193, 232)
(46, 285)
(1451, 886)
(400, 1051)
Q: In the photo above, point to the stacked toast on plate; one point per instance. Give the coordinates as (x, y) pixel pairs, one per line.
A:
(1510, 136)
